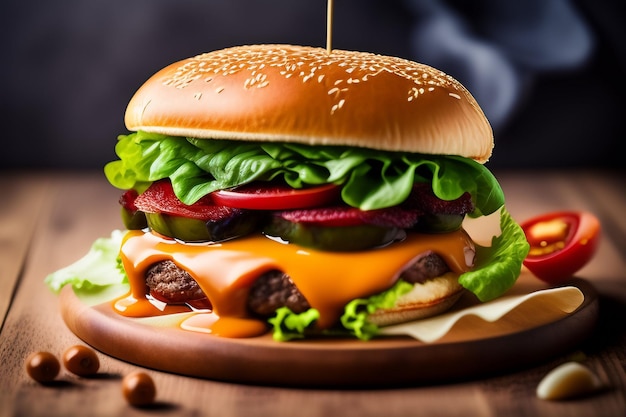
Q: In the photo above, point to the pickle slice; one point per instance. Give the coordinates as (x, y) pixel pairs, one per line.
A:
(333, 238)
(196, 230)
(134, 220)
(439, 223)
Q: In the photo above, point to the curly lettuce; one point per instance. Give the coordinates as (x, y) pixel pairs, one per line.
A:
(99, 268)
(498, 266)
(371, 179)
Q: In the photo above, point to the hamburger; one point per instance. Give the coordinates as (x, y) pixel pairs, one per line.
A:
(313, 193)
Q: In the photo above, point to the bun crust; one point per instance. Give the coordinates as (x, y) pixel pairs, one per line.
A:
(306, 95)
(431, 298)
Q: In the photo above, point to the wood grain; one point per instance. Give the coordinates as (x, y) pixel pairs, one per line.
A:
(24, 198)
(76, 209)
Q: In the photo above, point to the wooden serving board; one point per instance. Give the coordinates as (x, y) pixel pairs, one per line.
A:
(469, 350)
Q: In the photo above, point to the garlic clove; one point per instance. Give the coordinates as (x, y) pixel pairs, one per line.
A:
(568, 380)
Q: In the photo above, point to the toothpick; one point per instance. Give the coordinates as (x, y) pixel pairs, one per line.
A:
(329, 27)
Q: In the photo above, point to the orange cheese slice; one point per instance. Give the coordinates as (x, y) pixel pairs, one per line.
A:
(328, 280)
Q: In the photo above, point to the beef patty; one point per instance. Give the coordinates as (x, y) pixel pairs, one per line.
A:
(169, 283)
(272, 290)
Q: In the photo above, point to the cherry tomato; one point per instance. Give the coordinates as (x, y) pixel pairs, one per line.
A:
(271, 196)
(561, 243)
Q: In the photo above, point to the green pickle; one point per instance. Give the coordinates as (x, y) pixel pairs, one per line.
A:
(343, 238)
(439, 223)
(134, 220)
(196, 230)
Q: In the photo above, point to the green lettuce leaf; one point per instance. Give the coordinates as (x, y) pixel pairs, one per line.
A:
(289, 325)
(356, 311)
(498, 266)
(98, 269)
(372, 179)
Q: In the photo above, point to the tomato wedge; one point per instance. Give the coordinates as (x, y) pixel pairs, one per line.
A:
(561, 243)
(272, 196)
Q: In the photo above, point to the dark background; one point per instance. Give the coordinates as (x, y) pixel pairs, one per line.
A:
(549, 74)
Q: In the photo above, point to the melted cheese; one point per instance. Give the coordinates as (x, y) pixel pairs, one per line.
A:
(225, 271)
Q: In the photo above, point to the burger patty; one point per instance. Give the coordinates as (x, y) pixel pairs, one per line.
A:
(275, 289)
(428, 265)
(167, 282)
(272, 290)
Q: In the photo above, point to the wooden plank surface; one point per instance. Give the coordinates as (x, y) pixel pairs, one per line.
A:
(72, 210)
(24, 199)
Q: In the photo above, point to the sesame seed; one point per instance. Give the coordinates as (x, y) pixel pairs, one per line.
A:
(307, 63)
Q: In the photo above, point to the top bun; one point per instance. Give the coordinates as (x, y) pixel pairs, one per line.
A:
(303, 94)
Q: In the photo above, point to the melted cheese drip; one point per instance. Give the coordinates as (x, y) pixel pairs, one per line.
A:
(225, 271)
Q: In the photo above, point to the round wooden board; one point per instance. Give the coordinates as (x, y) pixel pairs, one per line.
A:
(389, 361)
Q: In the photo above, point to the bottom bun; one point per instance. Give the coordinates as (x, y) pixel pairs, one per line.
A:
(428, 299)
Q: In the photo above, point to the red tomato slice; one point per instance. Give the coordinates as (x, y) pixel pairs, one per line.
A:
(127, 200)
(271, 196)
(160, 198)
(561, 243)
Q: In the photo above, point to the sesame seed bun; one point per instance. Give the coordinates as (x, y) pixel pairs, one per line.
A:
(306, 95)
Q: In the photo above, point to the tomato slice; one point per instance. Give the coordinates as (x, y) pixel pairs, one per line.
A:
(272, 196)
(160, 198)
(561, 243)
(127, 200)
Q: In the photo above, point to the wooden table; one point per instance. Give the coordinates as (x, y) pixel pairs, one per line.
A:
(48, 220)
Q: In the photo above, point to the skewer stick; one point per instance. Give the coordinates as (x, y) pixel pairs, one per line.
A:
(329, 26)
